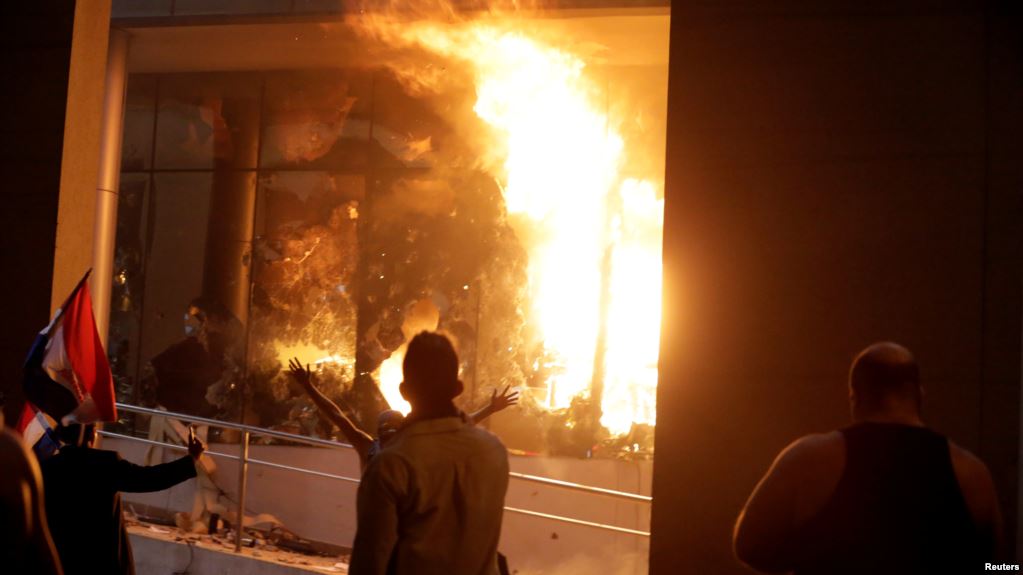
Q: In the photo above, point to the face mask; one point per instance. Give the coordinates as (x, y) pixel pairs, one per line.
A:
(192, 325)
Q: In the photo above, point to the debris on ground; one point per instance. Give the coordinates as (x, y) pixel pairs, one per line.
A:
(258, 545)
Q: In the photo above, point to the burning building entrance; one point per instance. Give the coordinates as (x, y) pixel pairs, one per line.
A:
(498, 177)
(325, 189)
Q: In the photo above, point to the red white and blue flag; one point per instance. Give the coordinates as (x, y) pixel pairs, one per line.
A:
(67, 376)
(36, 430)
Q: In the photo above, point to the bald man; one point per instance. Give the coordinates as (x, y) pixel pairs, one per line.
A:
(885, 495)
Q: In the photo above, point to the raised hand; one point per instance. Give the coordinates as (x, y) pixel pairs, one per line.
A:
(195, 445)
(302, 375)
(503, 401)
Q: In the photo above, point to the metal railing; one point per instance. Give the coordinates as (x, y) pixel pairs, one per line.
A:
(244, 460)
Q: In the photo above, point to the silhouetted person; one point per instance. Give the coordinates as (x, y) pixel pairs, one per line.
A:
(25, 544)
(189, 372)
(430, 503)
(83, 500)
(885, 495)
(388, 422)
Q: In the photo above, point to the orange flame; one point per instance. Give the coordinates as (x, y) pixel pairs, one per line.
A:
(586, 228)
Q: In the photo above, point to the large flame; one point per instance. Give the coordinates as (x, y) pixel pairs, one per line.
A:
(593, 236)
(422, 315)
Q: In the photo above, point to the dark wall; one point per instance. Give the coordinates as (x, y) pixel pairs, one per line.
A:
(838, 173)
(35, 42)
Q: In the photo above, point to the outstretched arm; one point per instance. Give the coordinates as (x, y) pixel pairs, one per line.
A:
(359, 439)
(497, 403)
(132, 478)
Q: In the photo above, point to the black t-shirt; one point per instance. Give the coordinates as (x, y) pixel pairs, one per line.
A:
(184, 372)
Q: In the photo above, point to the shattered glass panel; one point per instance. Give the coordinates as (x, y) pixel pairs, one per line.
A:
(207, 121)
(317, 120)
(128, 285)
(139, 115)
(439, 254)
(407, 133)
(175, 250)
(305, 258)
(372, 216)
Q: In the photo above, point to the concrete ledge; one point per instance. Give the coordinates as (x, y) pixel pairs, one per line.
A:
(167, 552)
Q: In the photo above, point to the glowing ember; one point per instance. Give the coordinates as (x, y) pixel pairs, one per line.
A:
(593, 237)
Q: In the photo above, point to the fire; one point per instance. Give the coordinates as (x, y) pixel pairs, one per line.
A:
(593, 236)
(390, 376)
(422, 315)
(309, 355)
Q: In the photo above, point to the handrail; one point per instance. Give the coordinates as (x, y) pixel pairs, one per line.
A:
(162, 444)
(550, 516)
(232, 425)
(338, 445)
(579, 521)
(231, 457)
(580, 487)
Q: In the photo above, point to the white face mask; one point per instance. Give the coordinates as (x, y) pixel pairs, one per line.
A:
(192, 325)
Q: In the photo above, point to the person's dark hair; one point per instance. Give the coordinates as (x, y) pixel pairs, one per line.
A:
(76, 434)
(884, 370)
(431, 366)
(211, 308)
(389, 422)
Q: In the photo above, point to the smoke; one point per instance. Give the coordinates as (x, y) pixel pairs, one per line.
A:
(428, 45)
(430, 197)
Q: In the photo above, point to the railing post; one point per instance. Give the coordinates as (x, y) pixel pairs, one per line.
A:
(243, 468)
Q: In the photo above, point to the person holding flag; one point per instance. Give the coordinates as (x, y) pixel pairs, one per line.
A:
(67, 379)
(67, 376)
(83, 488)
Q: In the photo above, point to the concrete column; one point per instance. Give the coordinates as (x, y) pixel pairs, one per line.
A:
(80, 149)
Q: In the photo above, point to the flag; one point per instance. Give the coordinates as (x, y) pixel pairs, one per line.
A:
(37, 431)
(67, 375)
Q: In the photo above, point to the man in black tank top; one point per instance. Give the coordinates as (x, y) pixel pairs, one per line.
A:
(885, 495)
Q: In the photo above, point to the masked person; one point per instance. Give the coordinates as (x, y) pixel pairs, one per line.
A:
(186, 376)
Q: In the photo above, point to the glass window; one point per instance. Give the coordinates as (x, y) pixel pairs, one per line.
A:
(188, 7)
(207, 121)
(331, 214)
(317, 120)
(127, 293)
(140, 8)
(139, 124)
(305, 256)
